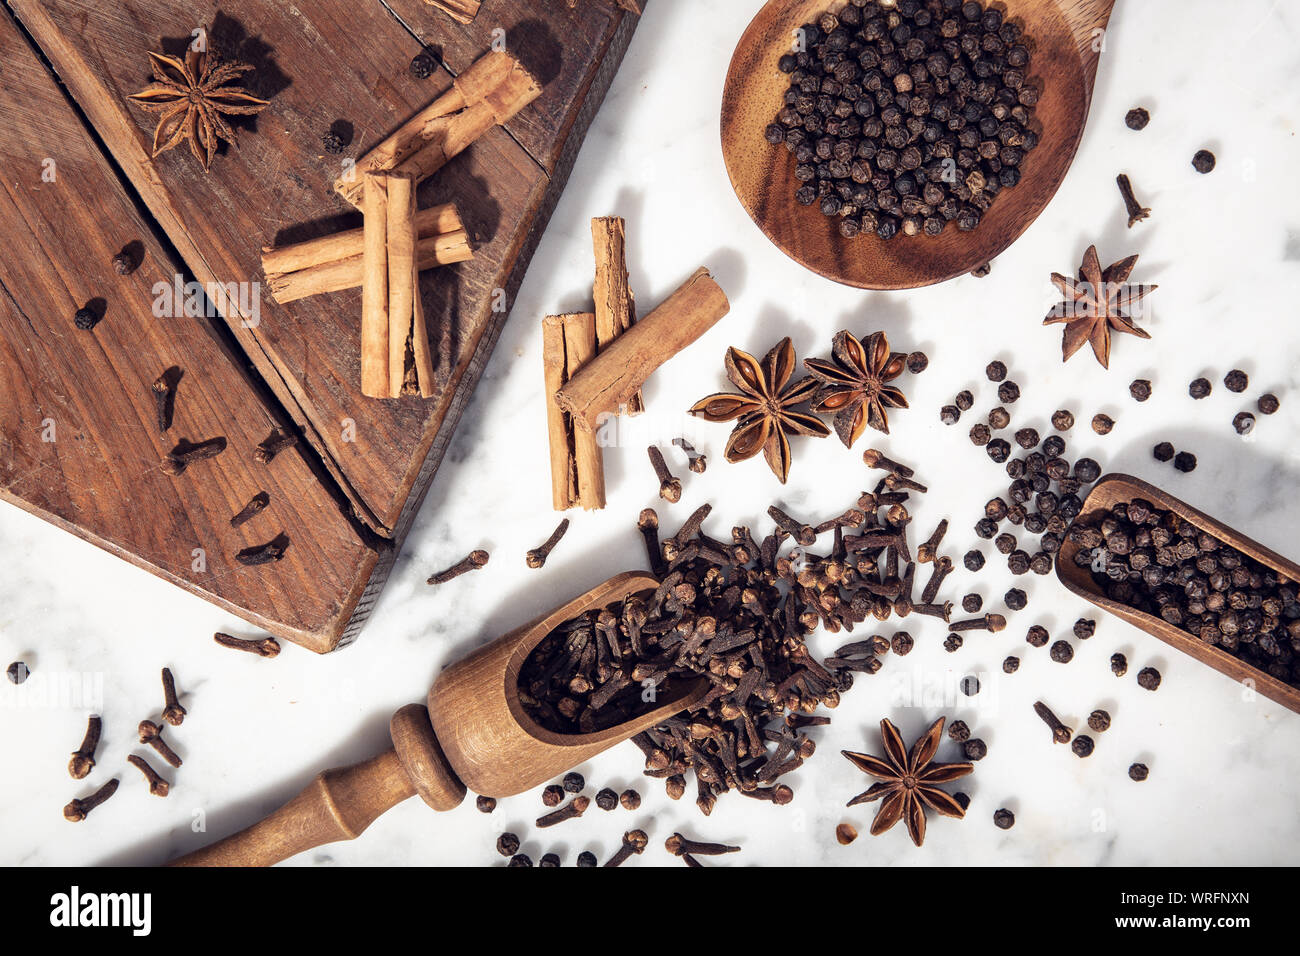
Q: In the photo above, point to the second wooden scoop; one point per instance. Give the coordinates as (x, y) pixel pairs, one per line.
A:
(474, 733)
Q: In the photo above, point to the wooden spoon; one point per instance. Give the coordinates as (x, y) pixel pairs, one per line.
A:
(1113, 489)
(474, 732)
(1064, 37)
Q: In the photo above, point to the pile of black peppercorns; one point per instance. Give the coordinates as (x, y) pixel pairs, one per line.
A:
(907, 117)
(1157, 562)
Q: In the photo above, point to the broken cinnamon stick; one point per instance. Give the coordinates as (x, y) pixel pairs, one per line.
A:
(374, 290)
(615, 304)
(559, 430)
(489, 93)
(421, 368)
(613, 377)
(333, 263)
(579, 350)
(462, 10)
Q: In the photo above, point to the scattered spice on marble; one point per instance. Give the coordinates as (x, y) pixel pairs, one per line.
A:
(471, 562)
(854, 384)
(1016, 599)
(1138, 772)
(262, 647)
(1061, 734)
(999, 418)
(587, 859)
(1102, 424)
(1085, 628)
(83, 758)
(953, 643)
(973, 560)
(1010, 665)
(485, 804)
(998, 450)
(1063, 420)
(606, 799)
(980, 434)
(972, 603)
(845, 834)
(1135, 210)
(917, 362)
(520, 859)
(1243, 423)
(634, 843)
(950, 414)
(1203, 161)
(569, 811)
(1199, 388)
(1099, 721)
(1005, 543)
(573, 782)
(1082, 746)
(1140, 389)
(1004, 819)
(158, 786)
(1037, 636)
(553, 795)
(629, 799)
(1008, 393)
(1185, 461)
(976, 749)
(1268, 403)
(696, 462)
(1236, 381)
(537, 556)
(1118, 665)
(1137, 118)
(1062, 652)
(1096, 303)
(996, 371)
(677, 845)
(1163, 451)
(79, 808)
(549, 860)
(1148, 678)
(964, 400)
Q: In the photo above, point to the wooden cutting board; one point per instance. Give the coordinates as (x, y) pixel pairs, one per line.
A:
(347, 497)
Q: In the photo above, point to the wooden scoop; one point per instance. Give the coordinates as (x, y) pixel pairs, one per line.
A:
(473, 733)
(1064, 37)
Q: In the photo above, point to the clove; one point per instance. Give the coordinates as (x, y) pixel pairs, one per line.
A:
(670, 488)
(265, 647)
(157, 785)
(258, 554)
(272, 445)
(164, 397)
(570, 811)
(899, 483)
(942, 568)
(1061, 734)
(634, 841)
(803, 534)
(77, 810)
(472, 562)
(151, 734)
(875, 459)
(256, 505)
(186, 453)
(989, 622)
(927, 551)
(83, 758)
(1136, 211)
(537, 556)
(648, 525)
(678, 844)
(173, 712)
(698, 463)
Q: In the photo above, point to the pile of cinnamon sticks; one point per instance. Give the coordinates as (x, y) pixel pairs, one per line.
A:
(596, 362)
(397, 241)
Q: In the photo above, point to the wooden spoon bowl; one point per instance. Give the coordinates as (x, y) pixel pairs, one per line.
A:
(1114, 489)
(1062, 40)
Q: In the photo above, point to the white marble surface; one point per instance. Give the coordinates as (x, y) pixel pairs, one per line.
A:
(1225, 250)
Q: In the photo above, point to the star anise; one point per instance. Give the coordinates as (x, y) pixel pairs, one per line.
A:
(855, 384)
(910, 781)
(192, 94)
(766, 409)
(1096, 302)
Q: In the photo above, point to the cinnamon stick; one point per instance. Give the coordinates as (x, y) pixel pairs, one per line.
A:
(615, 303)
(613, 377)
(421, 358)
(374, 290)
(333, 263)
(559, 430)
(489, 93)
(401, 277)
(462, 10)
(579, 350)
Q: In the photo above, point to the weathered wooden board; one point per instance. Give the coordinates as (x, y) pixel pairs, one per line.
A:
(79, 444)
(338, 64)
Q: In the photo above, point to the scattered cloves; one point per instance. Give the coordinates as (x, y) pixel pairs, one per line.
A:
(571, 810)
(803, 534)
(876, 459)
(273, 550)
(265, 647)
(670, 488)
(78, 809)
(472, 562)
(926, 552)
(634, 841)
(83, 758)
(698, 462)
(678, 844)
(272, 445)
(186, 453)
(256, 505)
(1061, 734)
(1136, 211)
(151, 734)
(164, 396)
(173, 712)
(537, 556)
(157, 785)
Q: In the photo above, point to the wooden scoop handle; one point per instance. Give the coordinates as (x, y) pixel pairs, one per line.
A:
(340, 803)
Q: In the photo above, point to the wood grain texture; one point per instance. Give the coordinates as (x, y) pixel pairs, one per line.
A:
(1064, 66)
(1113, 489)
(488, 738)
(101, 478)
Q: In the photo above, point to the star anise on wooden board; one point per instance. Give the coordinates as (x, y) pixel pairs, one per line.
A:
(910, 782)
(765, 411)
(1095, 303)
(192, 94)
(854, 385)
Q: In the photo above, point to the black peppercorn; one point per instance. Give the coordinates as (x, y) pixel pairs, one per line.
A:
(1236, 381)
(124, 265)
(1185, 461)
(1084, 628)
(332, 142)
(959, 731)
(550, 860)
(974, 560)
(1148, 678)
(1243, 423)
(1137, 118)
(1268, 403)
(998, 450)
(520, 859)
(485, 804)
(1004, 819)
(573, 782)
(949, 414)
(606, 799)
(972, 603)
(980, 434)
(964, 400)
(1140, 390)
(976, 749)
(1015, 599)
(1008, 393)
(1018, 562)
(999, 418)
(1163, 451)
(1082, 746)
(423, 65)
(1203, 161)
(1037, 636)
(1102, 424)
(1027, 438)
(586, 859)
(1054, 447)
(1062, 652)
(1087, 470)
(996, 371)
(1118, 665)
(1005, 543)
(84, 319)
(507, 844)
(1063, 420)
(1010, 665)
(1138, 772)
(1200, 388)
(553, 795)
(1099, 721)
(917, 362)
